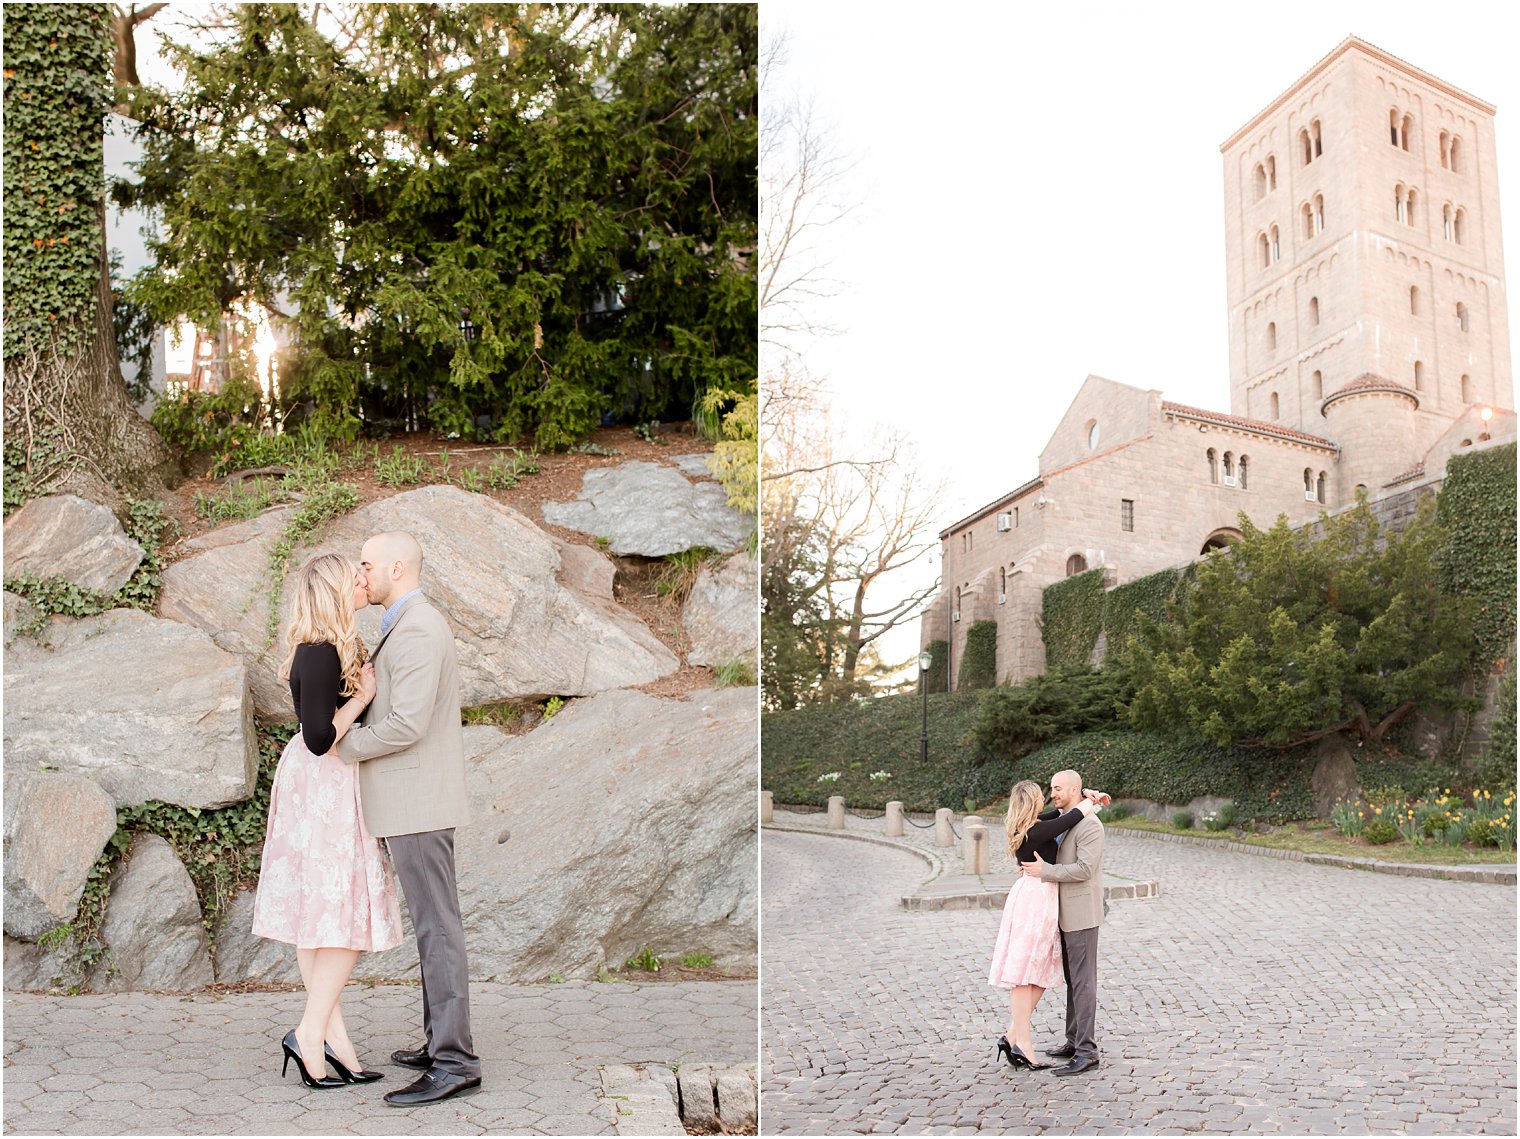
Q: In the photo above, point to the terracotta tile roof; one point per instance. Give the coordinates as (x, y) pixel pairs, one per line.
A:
(1368, 380)
(1256, 425)
(1411, 473)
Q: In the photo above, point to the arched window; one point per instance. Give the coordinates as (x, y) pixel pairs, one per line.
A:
(1271, 336)
(1277, 245)
(1313, 311)
(1445, 151)
(1410, 201)
(1092, 434)
(1419, 376)
(1308, 481)
(1458, 224)
(1271, 173)
(1406, 128)
(1398, 202)
(1261, 181)
(1393, 126)
(1319, 488)
(1462, 316)
(1243, 468)
(1446, 221)
(1319, 213)
(1414, 300)
(1456, 155)
(1466, 389)
(1213, 465)
(1276, 409)
(1314, 133)
(1318, 380)
(1305, 147)
(1002, 584)
(957, 599)
(1307, 214)
(1075, 564)
(1229, 468)
(1264, 250)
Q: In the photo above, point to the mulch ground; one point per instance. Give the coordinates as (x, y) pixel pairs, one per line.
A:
(558, 480)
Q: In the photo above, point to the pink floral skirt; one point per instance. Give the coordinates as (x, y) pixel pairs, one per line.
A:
(1028, 950)
(325, 880)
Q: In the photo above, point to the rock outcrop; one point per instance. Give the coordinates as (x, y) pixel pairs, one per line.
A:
(63, 535)
(153, 925)
(56, 826)
(722, 613)
(652, 510)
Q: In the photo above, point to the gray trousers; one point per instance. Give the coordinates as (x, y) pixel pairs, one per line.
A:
(425, 865)
(1079, 960)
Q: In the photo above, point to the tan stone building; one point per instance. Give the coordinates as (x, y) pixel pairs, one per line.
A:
(1368, 343)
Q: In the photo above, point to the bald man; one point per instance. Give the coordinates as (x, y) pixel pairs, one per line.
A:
(410, 752)
(1079, 870)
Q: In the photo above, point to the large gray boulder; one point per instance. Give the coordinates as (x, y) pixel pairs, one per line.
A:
(532, 616)
(146, 708)
(652, 510)
(63, 535)
(19, 612)
(153, 925)
(626, 820)
(56, 825)
(722, 613)
(32, 966)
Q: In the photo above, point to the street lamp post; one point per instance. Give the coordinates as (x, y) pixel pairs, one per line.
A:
(925, 659)
(466, 326)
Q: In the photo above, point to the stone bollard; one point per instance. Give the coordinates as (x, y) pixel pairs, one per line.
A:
(944, 833)
(966, 824)
(978, 853)
(894, 819)
(836, 812)
(767, 807)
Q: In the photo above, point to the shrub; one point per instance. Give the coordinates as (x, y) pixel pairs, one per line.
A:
(1182, 820)
(1115, 812)
(1227, 814)
(1213, 822)
(1380, 831)
(1049, 707)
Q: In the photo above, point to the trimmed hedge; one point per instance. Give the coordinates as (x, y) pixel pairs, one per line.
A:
(979, 661)
(1476, 506)
(1071, 616)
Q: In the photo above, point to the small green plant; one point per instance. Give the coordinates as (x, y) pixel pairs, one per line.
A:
(1182, 820)
(681, 570)
(1226, 815)
(552, 705)
(400, 469)
(646, 960)
(1380, 830)
(589, 448)
(238, 501)
(697, 961)
(471, 479)
(556, 978)
(880, 776)
(1392, 796)
(604, 542)
(1115, 812)
(1347, 817)
(736, 673)
(650, 432)
(1212, 822)
(500, 714)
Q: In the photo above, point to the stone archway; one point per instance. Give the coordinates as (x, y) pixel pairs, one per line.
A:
(1224, 537)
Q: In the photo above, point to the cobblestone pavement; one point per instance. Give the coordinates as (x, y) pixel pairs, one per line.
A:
(1254, 995)
(207, 1064)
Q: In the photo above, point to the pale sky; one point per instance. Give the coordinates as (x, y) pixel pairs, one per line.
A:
(1042, 197)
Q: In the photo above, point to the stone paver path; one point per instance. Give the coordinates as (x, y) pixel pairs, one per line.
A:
(1254, 995)
(208, 1064)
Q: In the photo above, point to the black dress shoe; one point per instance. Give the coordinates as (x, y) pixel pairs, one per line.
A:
(1078, 1064)
(430, 1087)
(1065, 1052)
(413, 1058)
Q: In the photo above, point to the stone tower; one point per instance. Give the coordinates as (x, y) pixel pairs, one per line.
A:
(1364, 261)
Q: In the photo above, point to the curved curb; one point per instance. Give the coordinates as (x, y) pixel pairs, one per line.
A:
(934, 864)
(1488, 874)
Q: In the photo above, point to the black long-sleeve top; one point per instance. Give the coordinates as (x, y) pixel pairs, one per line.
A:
(1041, 838)
(316, 676)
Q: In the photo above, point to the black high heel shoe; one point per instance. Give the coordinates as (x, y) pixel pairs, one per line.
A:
(294, 1053)
(1015, 1058)
(362, 1076)
(1027, 1062)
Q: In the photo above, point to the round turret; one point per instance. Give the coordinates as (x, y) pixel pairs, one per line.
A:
(1373, 421)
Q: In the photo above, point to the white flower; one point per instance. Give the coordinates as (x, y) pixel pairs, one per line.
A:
(880, 776)
(828, 777)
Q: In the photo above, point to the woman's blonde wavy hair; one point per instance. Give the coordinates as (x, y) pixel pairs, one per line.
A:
(321, 613)
(1025, 802)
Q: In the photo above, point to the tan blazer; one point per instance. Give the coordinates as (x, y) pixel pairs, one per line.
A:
(410, 749)
(1079, 869)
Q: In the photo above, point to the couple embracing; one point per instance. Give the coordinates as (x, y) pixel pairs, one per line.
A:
(370, 789)
(1049, 930)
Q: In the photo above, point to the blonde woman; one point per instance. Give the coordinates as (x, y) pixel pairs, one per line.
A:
(1027, 958)
(325, 886)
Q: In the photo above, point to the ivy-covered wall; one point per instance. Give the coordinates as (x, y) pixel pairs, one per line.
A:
(979, 657)
(1071, 616)
(1477, 508)
(1147, 596)
(938, 677)
(57, 66)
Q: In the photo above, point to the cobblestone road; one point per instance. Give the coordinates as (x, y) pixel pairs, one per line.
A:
(1254, 995)
(205, 1064)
